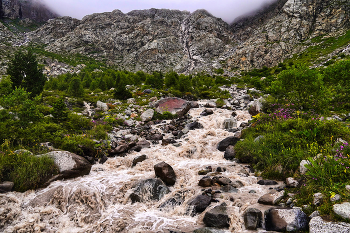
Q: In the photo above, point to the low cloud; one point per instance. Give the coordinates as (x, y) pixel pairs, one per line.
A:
(228, 10)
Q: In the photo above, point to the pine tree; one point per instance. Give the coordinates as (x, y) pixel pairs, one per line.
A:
(24, 72)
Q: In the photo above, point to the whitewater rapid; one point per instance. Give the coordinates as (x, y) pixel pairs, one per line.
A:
(99, 202)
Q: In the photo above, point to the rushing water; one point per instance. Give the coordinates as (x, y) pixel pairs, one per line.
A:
(99, 201)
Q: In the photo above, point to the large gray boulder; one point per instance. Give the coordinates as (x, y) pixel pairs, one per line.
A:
(147, 115)
(285, 219)
(149, 190)
(222, 145)
(102, 106)
(342, 210)
(173, 105)
(198, 204)
(217, 217)
(252, 218)
(165, 172)
(69, 165)
(318, 225)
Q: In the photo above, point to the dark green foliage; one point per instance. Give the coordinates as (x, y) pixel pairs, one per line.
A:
(59, 111)
(75, 87)
(24, 72)
(5, 86)
(155, 80)
(25, 170)
(171, 79)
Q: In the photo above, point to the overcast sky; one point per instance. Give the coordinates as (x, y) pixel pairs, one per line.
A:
(228, 10)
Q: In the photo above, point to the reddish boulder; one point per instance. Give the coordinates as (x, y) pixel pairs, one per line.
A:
(173, 105)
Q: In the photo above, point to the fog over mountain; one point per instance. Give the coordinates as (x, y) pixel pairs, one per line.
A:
(228, 10)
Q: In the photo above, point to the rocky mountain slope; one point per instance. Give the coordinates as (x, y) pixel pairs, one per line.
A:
(23, 9)
(160, 39)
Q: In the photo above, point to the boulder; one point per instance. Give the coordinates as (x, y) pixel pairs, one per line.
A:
(156, 137)
(285, 219)
(165, 172)
(227, 142)
(6, 186)
(342, 210)
(221, 180)
(318, 198)
(173, 105)
(198, 204)
(207, 112)
(302, 167)
(229, 189)
(177, 200)
(194, 125)
(255, 107)
(229, 153)
(318, 225)
(139, 159)
(149, 190)
(147, 115)
(69, 165)
(102, 106)
(143, 144)
(208, 230)
(122, 148)
(217, 217)
(194, 104)
(267, 182)
(252, 218)
(206, 181)
(291, 182)
(271, 198)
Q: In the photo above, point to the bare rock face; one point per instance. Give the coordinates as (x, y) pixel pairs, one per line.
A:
(20, 9)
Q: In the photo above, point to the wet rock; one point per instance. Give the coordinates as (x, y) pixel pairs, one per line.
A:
(244, 124)
(150, 189)
(143, 144)
(291, 182)
(285, 219)
(139, 159)
(237, 184)
(173, 105)
(205, 182)
(194, 125)
(271, 198)
(177, 200)
(318, 225)
(267, 182)
(342, 210)
(69, 165)
(136, 148)
(229, 153)
(210, 105)
(204, 172)
(208, 230)
(194, 104)
(255, 107)
(227, 142)
(147, 115)
(221, 180)
(229, 189)
(122, 148)
(165, 172)
(156, 137)
(207, 112)
(220, 169)
(6, 186)
(252, 219)
(103, 159)
(217, 217)
(168, 141)
(198, 204)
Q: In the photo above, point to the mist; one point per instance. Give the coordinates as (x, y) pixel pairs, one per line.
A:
(228, 10)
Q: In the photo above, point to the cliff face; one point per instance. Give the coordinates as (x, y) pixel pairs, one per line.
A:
(178, 40)
(30, 9)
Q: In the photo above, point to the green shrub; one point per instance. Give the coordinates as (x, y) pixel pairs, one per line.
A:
(75, 87)
(25, 170)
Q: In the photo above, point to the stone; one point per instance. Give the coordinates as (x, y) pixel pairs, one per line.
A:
(149, 190)
(217, 217)
(139, 159)
(147, 115)
(207, 112)
(177, 200)
(285, 219)
(165, 172)
(229, 153)
(222, 145)
(206, 181)
(302, 167)
(210, 105)
(271, 198)
(336, 197)
(208, 230)
(143, 144)
(69, 165)
(156, 137)
(221, 180)
(102, 106)
(291, 182)
(252, 219)
(255, 107)
(198, 204)
(229, 189)
(23, 151)
(318, 198)
(173, 105)
(318, 225)
(6, 186)
(122, 148)
(194, 104)
(342, 210)
(314, 214)
(267, 182)
(194, 125)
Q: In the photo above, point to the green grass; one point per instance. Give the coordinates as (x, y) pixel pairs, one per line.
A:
(25, 170)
